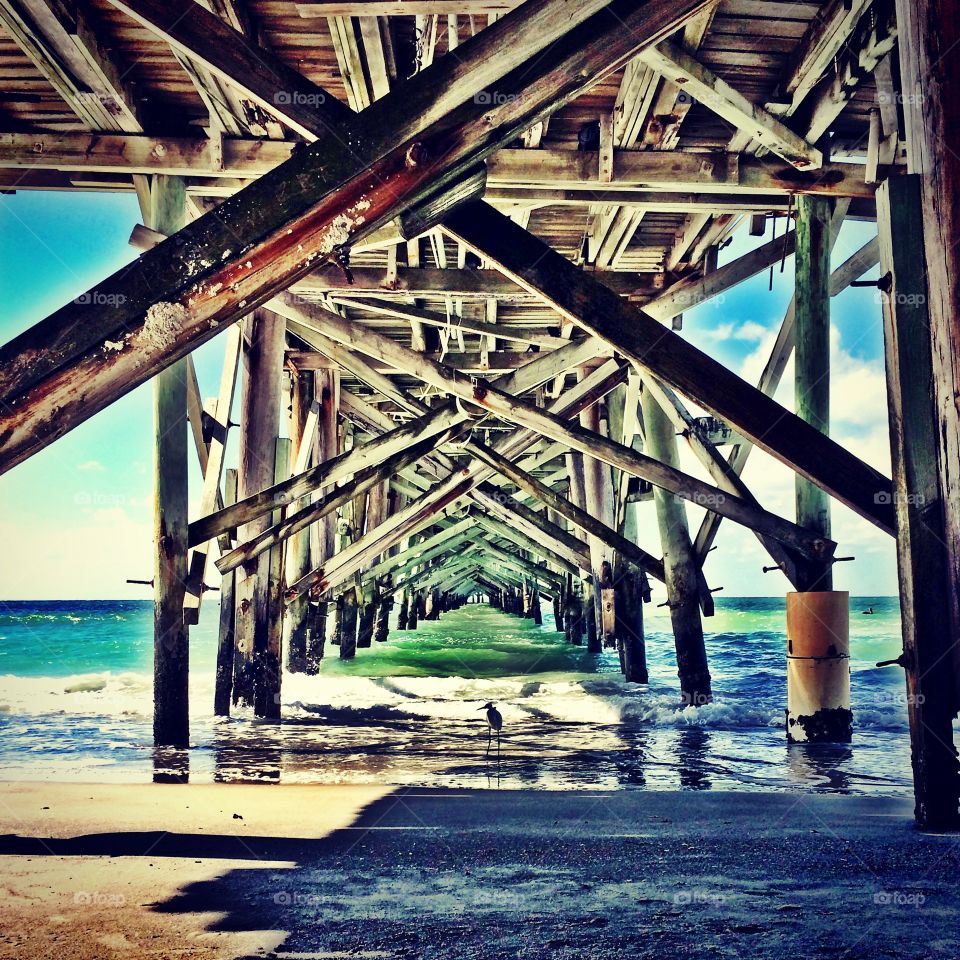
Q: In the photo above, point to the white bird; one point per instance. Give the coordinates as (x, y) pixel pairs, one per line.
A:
(494, 723)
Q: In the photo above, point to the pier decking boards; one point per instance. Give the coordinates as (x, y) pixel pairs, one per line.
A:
(452, 248)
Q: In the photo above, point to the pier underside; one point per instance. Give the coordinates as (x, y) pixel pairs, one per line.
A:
(450, 250)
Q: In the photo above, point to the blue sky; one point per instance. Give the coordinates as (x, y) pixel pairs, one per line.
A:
(76, 518)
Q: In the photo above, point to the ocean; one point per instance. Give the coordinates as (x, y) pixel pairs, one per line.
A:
(75, 704)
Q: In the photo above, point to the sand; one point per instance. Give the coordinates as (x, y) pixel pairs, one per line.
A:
(323, 871)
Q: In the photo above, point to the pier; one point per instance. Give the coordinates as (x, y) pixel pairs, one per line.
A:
(451, 251)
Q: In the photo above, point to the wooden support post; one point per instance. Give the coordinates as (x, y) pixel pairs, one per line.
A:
(303, 433)
(923, 545)
(631, 588)
(171, 660)
(347, 626)
(376, 513)
(679, 561)
(598, 491)
(267, 666)
(223, 686)
(413, 611)
(322, 544)
(586, 612)
(812, 370)
(263, 342)
(403, 614)
(536, 612)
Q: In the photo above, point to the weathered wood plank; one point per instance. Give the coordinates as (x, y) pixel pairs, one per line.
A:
(171, 652)
(645, 342)
(298, 214)
(812, 364)
(923, 550)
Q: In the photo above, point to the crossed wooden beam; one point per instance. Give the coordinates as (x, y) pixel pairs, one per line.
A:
(404, 157)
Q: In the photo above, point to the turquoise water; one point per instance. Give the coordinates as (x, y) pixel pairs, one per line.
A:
(75, 703)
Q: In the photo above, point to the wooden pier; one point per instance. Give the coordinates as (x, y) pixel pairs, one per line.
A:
(450, 249)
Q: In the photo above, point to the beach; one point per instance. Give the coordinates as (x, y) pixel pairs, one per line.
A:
(171, 871)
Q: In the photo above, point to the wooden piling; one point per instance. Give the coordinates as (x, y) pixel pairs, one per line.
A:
(297, 616)
(631, 642)
(679, 560)
(323, 537)
(171, 661)
(223, 684)
(267, 658)
(923, 545)
(812, 366)
(262, 363)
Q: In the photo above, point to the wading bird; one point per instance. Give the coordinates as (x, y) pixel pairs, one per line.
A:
(494, 723)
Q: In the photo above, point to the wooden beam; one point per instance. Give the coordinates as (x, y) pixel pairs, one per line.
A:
(581, 519)
(689, 293)
(922, 554)
(716, 94)
(324, 505)
(929, 51)
(223, 677)
(489, 397)
(812, 367)
(401, 8)
(171, 653)
(509, 170)
(263, 338)
(679, 561)
(851, 269)
(205, 39)
(644, 341)
(210, 494)
(326, 473)
(465, 324)
(234, 258)
(720, 472)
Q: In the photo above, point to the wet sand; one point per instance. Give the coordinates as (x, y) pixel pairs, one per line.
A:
(226, 871)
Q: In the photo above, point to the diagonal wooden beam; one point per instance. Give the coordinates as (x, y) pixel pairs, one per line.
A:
(851, 269)
(325, 474)
(579, 518)
(431, 504)
(360, 482)
(69, 366)
(212, 473)
(537, 534)
(664, 354)
(489, 397)
(717, 95)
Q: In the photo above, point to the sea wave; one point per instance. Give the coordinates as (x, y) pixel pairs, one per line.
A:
(562, 698)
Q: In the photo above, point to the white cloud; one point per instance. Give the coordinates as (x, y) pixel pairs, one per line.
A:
(92, 465)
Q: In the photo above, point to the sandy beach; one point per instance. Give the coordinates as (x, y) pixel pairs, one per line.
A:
(230, 871)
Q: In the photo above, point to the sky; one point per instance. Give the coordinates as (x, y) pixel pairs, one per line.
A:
(76, 519)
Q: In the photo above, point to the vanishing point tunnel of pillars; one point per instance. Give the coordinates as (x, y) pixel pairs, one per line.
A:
(266, 628)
